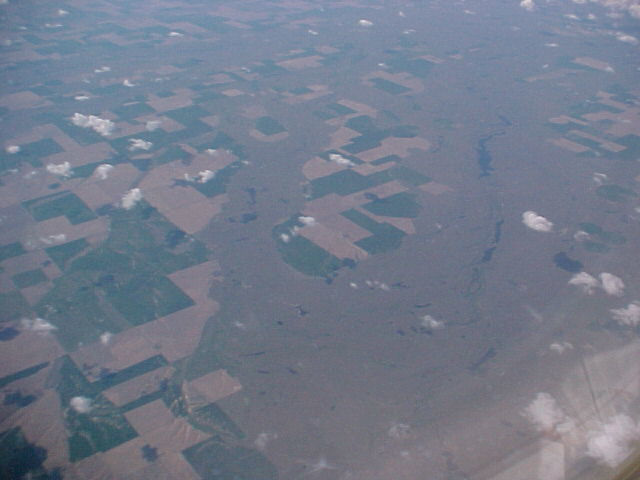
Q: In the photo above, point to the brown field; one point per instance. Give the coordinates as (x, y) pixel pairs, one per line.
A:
(435, 188)
(319, 167)
(126, 392)
(332, 241)
(268, 138)
(569, 145)
(593, 63)
(213, 386)
(301, 62)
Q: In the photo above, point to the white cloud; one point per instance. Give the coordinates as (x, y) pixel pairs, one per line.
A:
(285, 238)
(312, 32)
(102, 171)
(102, 126)
(263, 438)
(205, 175)
(585, 281)
(81, 98)
(176, 34)
(51, 239)
(308, 221)
(528, 5)
(353, 285)
(536, 222)
(545, 414)
(38, 325)
(600, 178)
(139, 144)
(560, 347)
(623, 37)
(62, 169)
(130, 198)
(365, 23)
(611, 284)
(80, 404)
(612, 443)
(340, 160)
(128, 83)
(629, 316)
(62, 13)
(152, 125)
(399, 430)
(12, 149)
(105, 338)
(429, 322)
(102, 69)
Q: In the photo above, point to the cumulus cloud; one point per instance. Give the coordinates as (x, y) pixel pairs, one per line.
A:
(202, 177)
(61, 169)
(139, 144)
(80, 404)
(431, 323)
(127, 83)
(612, 443)
(176, 34)
(81, 98)
(105, 338)
(628, 316)
(372, 284)
(152, 125)
(38, 325)
(102, 171)
(546, 416)
(623, 37)
(102, 69)
(340, 160)
(536, 222)
(51, 239)
(528, 5)
(102, 126)
(586, 282)
(130, 198)
(263, 438)
(365, 23)
(12, 149)
(611, 284)
(308, 221)
(560, 347)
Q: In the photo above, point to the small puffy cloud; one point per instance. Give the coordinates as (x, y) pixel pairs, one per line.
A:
(176, 34)
(127, 83)
(528, 5)
(152, 125)
(285, 238)
(399, 430)
(102, 126)
(353, 285)
(81, 98)
(613, 442)
(600, 178)
(586, 282)
(611, 284)
(431, 323)
(560, 347)
(139, 144)
(61, 169)
(38, 325)
(312, 32)
(536, 222)
(80, 404)
(628, 316)
(130, 198)
(105, 338)
(62, 13)
(308, 221)
(53, 239)
(546, 416)
(630, 39)
(102, 69)
(204, 176)
(102, 171)
(365, 23)
(340, 160)
(12, 149)
(263, 438)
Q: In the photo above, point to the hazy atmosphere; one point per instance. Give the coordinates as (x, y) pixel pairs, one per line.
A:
(319, 240)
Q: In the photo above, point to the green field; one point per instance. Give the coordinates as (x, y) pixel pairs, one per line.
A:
(29, 278)
(98, 430)
(11, 250)
(269, 126)
(399, 205)
(60, 204)
(213, 460)
(13, 306)
(62, 254)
